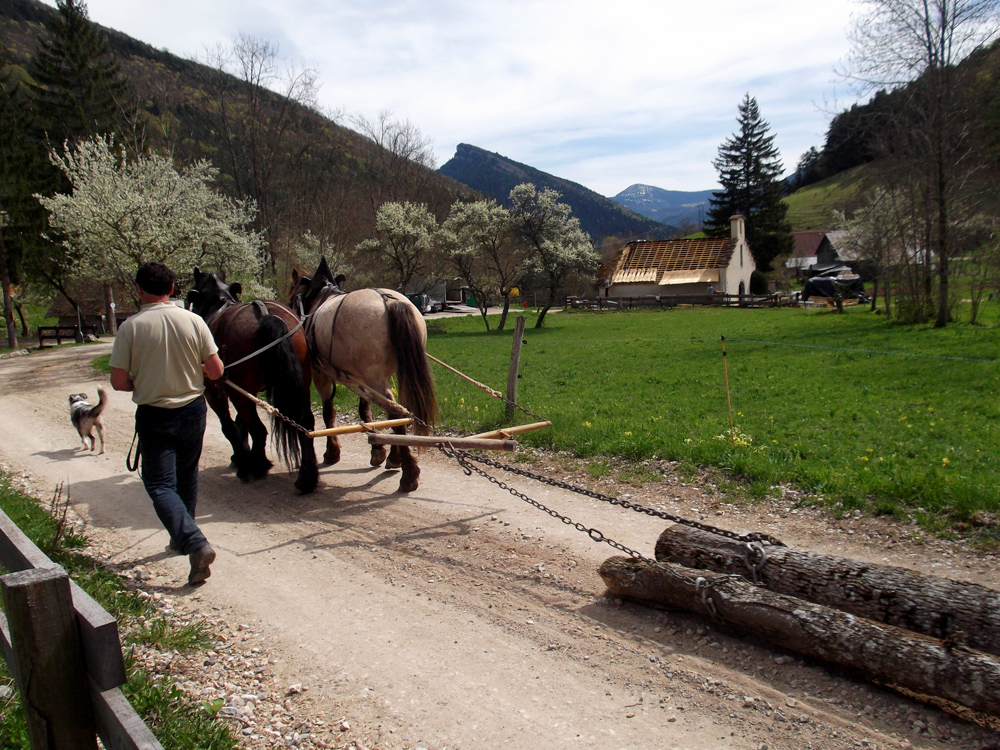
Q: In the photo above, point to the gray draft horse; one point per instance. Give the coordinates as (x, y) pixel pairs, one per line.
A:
(368, 335)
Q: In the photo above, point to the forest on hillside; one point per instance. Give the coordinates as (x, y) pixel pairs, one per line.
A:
(119, 154)
(316, 183)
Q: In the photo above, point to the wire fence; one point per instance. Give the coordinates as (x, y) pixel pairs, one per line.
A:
(715, 340)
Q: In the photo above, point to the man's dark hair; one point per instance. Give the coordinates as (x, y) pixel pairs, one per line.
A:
(155, 278)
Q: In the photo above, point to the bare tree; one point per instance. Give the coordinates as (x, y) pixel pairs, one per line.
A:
(980, 264)
(915, 46)
(402, 161)
(255, 103)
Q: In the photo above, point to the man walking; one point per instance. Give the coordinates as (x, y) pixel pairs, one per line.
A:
(162, 355)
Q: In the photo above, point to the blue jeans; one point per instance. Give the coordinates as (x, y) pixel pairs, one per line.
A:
(170, 443)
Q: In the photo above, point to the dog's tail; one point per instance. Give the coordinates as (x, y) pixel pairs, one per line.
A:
(102, 401)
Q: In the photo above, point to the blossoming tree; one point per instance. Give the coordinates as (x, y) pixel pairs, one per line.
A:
(124, 212)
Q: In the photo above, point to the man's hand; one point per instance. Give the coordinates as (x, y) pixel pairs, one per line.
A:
(213, 367)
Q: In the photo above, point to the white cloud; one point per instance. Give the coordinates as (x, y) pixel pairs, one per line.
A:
(603, 93)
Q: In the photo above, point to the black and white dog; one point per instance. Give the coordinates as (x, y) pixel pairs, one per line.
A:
(85, 417)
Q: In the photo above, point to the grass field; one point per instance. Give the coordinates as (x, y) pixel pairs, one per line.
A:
(810, 208)
(891, 418)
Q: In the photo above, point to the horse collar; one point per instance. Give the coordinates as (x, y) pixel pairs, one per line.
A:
(259, 309)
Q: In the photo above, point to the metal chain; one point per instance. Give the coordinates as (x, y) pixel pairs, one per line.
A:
(270, 409)
(754, 557)
(702, 585)
(525, 409)
(747, 537)
(462, 458)
(290, 422)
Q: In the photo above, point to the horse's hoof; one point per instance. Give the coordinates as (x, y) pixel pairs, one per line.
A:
(305, 485)
(410, 486)
(378, 455)
(393, 463)
(251, 475)
(331, 458)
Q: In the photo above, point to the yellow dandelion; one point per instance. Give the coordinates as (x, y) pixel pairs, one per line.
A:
(945, 461)
(586, 424)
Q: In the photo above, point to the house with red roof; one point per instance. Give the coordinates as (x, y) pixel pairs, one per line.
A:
(811, 249)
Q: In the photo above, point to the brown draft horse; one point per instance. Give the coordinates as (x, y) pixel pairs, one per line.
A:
(282, 370)
(368, 335)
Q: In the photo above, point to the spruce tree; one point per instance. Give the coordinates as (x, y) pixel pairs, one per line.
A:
(749, 170)
(80, 90)
(23, 164)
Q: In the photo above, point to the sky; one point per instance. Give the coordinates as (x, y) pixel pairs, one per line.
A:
(606, 93)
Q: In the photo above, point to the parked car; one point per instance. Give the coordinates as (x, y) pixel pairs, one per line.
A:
(425, 303)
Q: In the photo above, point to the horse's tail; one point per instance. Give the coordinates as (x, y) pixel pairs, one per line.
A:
(413, 371)
(286, 388)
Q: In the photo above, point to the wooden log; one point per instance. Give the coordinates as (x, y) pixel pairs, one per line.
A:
(48, 660)
(933, 606)
(883, 652)
(515, 366)
(506, 432)
(348, 429)
(102, 646)
(118, 725)
(430, 441)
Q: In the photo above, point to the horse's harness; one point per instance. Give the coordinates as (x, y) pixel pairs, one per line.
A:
(329, 291)
(259, 310)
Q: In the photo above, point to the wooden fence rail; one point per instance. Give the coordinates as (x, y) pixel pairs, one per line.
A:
(68, 645)
(675, 300)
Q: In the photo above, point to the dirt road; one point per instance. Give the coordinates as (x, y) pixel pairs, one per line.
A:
(460, 617)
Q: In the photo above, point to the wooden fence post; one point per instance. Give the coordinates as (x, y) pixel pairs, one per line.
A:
(48, 660)
(515, 364)
(98, 629)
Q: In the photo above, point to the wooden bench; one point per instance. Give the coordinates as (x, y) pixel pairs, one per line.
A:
(62, 332)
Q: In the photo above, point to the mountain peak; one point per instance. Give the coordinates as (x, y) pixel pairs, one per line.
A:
(673, 206)
(495, 176)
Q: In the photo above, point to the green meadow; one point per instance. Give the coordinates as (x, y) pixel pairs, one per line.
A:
(888, 418)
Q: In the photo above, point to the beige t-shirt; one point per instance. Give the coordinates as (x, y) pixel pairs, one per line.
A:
(163, 346)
